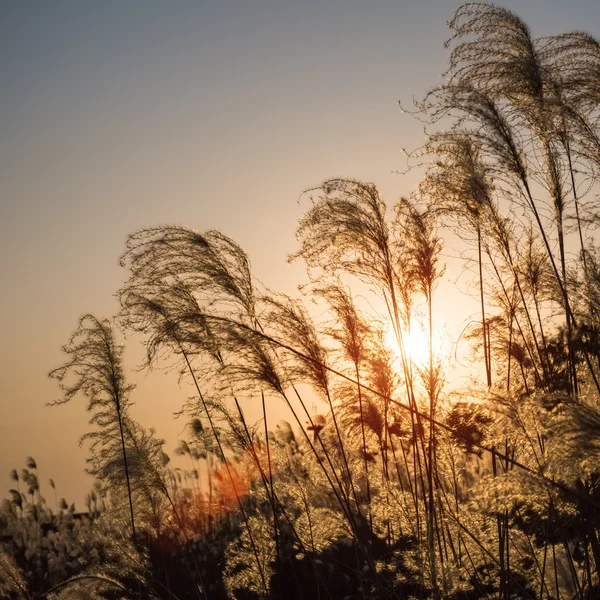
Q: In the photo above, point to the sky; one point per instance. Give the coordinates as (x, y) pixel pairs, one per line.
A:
(116, 116)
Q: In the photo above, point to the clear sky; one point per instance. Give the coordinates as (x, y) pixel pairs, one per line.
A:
(120, 115)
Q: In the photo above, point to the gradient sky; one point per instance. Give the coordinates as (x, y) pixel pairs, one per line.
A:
(120, 115)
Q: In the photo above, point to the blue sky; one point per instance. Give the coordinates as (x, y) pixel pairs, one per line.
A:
(119, 115)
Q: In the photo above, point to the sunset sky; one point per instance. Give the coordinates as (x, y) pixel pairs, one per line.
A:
(116, 116)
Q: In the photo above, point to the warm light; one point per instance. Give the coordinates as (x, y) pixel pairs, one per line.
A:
(416, 344)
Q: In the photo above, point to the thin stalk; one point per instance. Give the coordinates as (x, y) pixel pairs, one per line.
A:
(430, 449)
(510, 304)
(342, 449)
(364, 443)
(263, 477)
(345, 507)
(226, 463)
(509, 353)
(275, 525)
(486, 348)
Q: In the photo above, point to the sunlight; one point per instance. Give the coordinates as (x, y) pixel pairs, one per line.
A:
(416, 344)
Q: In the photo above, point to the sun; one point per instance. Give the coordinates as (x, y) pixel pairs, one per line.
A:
(416, 344)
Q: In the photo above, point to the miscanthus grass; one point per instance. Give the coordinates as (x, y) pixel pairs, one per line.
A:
(400, 485)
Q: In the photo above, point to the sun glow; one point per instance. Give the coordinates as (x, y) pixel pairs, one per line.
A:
(416, 344)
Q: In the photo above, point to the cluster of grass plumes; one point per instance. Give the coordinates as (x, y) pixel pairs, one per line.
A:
(401, 486)
(56, 552)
